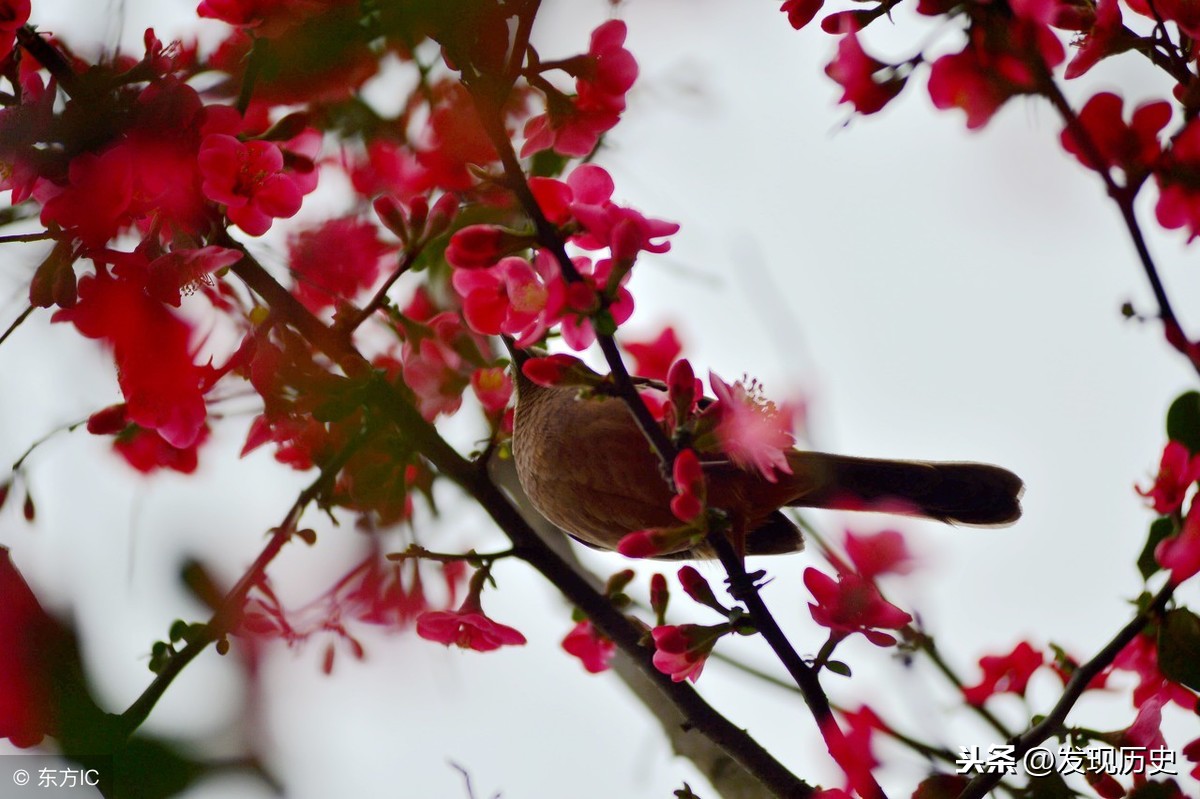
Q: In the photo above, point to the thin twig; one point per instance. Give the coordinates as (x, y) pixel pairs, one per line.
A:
(16, 323)
(226, 616)
(530, 548)
(1083, 676)
(742, 586)
(1124, 198)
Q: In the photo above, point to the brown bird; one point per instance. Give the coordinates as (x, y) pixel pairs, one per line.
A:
(587, 467)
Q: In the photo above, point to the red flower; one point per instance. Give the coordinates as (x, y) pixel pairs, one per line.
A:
(993, 68)
(752, 431)
(603, 76)
(856, 72)
(249, 179)
(690, 488)
(624, 231)
(801, 12)
(95, 204)
(13, 14)
(650, 543)
(1133, 147)
(382, 596)
(853, 604)
(681, 650)
(882, 553)
(1146, 730)
(147, 451)
(1005, 674)
(481, 246)
(851, 748)
(1141, 656)
(654, 358)
(1178, 470)
(163, 389)
(1192, 753)
(335, 261)
(1181, 553)
(592, 648)
(455, 141)
(1100, 39)
(1179, 198)
(27, 636)
(467, 628)
(695, 586)
(1183, 13)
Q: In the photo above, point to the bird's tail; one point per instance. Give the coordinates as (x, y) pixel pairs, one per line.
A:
(958, 493)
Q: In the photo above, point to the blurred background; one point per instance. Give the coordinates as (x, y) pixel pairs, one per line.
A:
(927, 292)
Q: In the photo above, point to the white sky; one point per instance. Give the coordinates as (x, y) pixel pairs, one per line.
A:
(939, 294)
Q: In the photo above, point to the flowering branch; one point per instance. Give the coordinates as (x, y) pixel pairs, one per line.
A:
(225, 619)
(527, 545)
(1052, 722)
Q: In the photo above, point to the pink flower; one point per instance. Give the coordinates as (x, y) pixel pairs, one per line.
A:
(1181, 553)
(653, 358)
(493, 387)
(335, 261)
(1133, 147)
(752, 431)
(856, 72)
(624, 231)
(1178, 470)
(1005, 674)
(602, 77)
(383, 596)
(882, 553)
(592, 648)
(681, 650)
(467, 628)
(510, 297)
(1146, 730)
(801, 12)
(249, 179)
(853, 604)
(433, 366)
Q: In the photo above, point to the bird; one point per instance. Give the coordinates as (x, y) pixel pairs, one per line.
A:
(588, 468)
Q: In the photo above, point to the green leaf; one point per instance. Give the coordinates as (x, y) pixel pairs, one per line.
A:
(1178, 643)
(838, 667)
(1183, 420)
(1160, 529)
